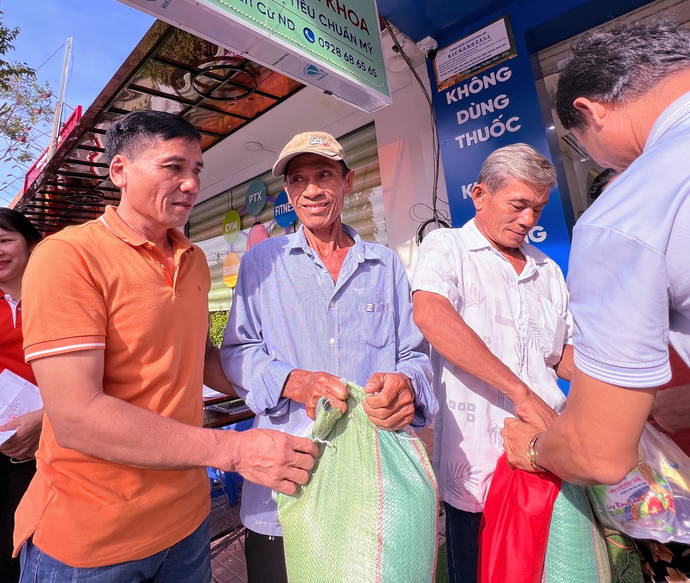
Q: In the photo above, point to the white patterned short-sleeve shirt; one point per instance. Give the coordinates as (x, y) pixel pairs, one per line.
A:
(523, 319)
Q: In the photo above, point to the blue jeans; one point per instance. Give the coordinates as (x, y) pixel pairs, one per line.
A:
(462, 544)
(188, 561)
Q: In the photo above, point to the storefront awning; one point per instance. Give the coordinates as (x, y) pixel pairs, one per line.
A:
(169, 70)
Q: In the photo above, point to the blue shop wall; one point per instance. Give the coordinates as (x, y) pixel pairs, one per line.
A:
(469, 131)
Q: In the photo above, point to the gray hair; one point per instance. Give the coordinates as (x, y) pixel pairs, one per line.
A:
(517, 162)
(619, 63)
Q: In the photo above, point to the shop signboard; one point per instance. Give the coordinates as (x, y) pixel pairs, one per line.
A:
(231, 269)
(231, 226)
(332, 45)
(283, 211)
(256, 197)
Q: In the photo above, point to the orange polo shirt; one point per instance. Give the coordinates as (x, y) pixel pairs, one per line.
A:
(102, 286)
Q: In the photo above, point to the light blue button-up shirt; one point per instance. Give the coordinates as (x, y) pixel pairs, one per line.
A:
(287, 313)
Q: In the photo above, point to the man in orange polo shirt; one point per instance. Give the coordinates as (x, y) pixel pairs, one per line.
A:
(116, 322)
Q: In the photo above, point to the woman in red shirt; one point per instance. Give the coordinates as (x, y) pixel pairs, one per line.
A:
(18, 237)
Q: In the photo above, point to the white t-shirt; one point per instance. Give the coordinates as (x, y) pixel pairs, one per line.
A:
(523, 319)
(629, 273)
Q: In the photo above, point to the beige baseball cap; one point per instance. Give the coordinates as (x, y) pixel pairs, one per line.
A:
(319, 143)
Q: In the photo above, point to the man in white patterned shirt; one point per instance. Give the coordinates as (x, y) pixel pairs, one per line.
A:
(495, 310)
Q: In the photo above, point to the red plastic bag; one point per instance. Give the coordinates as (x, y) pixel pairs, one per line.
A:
(515, 525)
(681, 376)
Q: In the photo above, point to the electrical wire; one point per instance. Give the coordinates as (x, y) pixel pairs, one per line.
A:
(438, 218)
(10, 184)
(5, 187)
(51, 56)
(36, 130)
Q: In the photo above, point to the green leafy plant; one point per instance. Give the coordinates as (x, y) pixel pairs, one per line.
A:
(10, 69)
(219, 320)
(26, 110)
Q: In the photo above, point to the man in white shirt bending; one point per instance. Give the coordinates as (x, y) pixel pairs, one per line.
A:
(495, 310)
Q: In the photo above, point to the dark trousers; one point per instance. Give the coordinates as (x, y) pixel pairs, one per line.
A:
(14, 480)
(265, 558)
(462, 542)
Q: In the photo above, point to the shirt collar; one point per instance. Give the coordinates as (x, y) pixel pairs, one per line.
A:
(476, 241)
(473, 237)
(7, 297)
(531, 252)
(360, 250)
(114, 223)
(674, 113)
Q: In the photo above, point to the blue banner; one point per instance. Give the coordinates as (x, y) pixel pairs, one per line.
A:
(492, 109)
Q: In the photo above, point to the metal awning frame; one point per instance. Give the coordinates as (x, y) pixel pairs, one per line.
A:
(49, 214)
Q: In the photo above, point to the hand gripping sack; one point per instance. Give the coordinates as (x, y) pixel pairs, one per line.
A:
(653, 500)
(369, 513)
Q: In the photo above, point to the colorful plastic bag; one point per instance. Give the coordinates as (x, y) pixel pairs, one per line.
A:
(369, 512)
(653, 501)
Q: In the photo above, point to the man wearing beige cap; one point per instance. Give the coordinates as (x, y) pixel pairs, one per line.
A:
(313, 308)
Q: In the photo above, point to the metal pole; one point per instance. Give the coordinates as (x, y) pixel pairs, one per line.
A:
(57, 119)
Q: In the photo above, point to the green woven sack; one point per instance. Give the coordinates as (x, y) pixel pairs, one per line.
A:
(369, 513)
(626, 564)
(576, 552)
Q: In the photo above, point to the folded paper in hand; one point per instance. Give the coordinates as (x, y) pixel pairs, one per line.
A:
(17, 397)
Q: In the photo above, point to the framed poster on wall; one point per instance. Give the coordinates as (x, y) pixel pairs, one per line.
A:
(474, 53)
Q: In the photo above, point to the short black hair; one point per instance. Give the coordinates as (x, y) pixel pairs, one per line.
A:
(618, 63)
(138, 130)
(15, 222)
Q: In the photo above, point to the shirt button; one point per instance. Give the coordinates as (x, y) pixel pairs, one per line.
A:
(332, 305)
(332, 341)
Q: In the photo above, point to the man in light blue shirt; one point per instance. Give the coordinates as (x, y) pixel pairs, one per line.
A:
(625, 95)
(311, 309)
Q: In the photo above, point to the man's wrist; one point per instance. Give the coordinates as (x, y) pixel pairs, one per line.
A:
(533, 456)
(229, 450)
(294, 383)
(519, 393)
(407, 380)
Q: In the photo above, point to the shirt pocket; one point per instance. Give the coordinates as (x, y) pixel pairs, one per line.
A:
(553, 328)
(376, 325)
